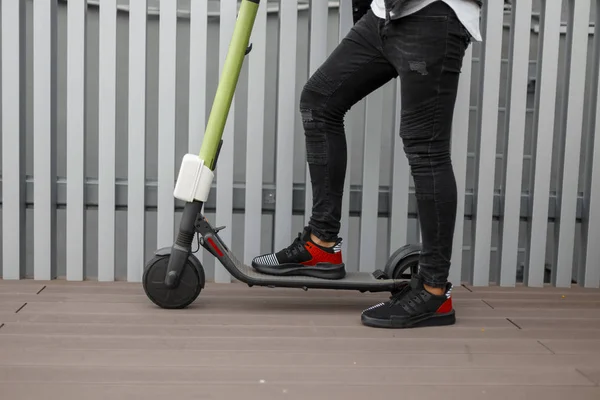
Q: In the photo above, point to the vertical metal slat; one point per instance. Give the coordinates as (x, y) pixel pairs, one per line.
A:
(400, 181)
(460, 137)
(167, 70)
(198, 81)
(13, 139)
(516, 116)
(224, 173)
(136, 213)
(286, 115)
(488, 117)
(572, 119)
(44, 139)
(345, 24)
(76, 131)
(544, 129)
(591, 233)
(370, 183)
(317, 54)
(106, 140)
(255, 142)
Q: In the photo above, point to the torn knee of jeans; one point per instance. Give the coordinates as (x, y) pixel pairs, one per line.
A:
(316, 147)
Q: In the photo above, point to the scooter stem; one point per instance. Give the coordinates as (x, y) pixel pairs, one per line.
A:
(214, 131)
(228, 81)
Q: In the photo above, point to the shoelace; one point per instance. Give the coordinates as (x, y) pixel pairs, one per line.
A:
(400, 295)
(295, 247)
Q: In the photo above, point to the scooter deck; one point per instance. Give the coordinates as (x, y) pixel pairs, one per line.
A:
(361, 281)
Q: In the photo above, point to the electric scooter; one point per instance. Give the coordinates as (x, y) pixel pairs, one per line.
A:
(174, 277)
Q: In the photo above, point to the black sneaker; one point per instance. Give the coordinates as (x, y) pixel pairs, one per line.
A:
(412, 307)
(304, 258)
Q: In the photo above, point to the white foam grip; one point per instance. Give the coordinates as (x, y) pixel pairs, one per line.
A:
(194, 180)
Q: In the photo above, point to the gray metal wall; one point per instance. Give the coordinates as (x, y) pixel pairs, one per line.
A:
(357, 119)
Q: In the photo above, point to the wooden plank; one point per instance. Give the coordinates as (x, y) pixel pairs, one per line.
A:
(197, 118)
(488, 126)
(344, 375)
(572, 117)
(137, 295)
(326, 345)
(255, 358)
(558, 324)
(21, 289)
(9, 306)
(129, 304)
(460, 138)
(136, 180)
(286, 115)
(319, 13)
(593, 374)
(107, 140)
(13, 138)
(370, 184)
(521, 288)
(191, 333)
(224, 173)
(573, 346)
(544, 129)
(44, 139)
(167, 71)
(304, 319)
(515, 132)
(291, 390)
(255, 142)
(76, 133)
(534, 304)
(233, 331)
(400, 181)
(591, 238)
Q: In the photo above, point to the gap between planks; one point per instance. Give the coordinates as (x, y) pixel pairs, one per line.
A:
(20, 308)
(512, 322)
(587, 377)
(546, 347)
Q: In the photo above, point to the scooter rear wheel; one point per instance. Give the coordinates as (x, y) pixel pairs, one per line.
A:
(181, 296)
(402, 267)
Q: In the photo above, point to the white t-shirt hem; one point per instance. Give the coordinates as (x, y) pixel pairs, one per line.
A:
(467, 12)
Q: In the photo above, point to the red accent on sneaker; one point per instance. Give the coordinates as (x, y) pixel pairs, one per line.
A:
(321, 256)
(446, 307)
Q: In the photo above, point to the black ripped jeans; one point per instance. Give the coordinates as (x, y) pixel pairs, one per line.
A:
(425, 50)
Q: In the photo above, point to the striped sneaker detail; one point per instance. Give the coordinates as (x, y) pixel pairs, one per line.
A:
(268, 259)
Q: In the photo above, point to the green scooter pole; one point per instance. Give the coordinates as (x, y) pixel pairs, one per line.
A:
(214, 132)
(228, 82)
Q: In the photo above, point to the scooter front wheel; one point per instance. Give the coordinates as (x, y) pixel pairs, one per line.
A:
(182, 295)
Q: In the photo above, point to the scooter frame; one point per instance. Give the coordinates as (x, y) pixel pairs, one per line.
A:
(183, 272)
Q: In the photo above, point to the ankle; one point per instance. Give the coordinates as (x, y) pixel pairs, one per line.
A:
(433, 290)
(320, 242)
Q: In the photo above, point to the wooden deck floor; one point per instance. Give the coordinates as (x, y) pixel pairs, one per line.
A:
(90, 341)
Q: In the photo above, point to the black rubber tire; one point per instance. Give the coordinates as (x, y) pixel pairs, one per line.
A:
(398, 271)
(189, 288)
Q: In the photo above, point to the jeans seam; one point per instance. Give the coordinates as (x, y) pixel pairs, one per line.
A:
(434, 279)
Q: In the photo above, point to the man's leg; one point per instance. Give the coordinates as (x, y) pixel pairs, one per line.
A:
(356, 68)
(427, 48)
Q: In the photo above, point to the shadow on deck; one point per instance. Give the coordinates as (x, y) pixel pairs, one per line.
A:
(89, 341)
